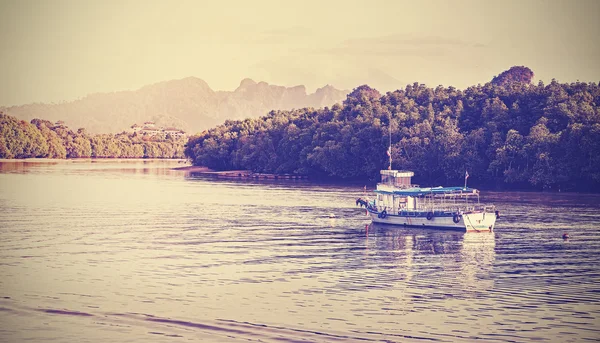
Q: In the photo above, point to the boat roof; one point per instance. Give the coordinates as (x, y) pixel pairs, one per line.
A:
(418, 191)
(397, 173)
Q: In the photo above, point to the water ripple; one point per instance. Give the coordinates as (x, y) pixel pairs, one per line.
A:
(113, 253)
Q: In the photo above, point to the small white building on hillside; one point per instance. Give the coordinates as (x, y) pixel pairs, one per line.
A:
(135, 128)
(149, 129)
(174, 132)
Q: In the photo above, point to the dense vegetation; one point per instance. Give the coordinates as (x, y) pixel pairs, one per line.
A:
(41, 138)
(514, 74)
(508, 133)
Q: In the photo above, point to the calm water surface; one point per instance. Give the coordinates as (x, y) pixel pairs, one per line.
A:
(132, 251)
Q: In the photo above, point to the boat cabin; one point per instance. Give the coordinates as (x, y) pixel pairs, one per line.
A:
(395, 193)
(396, 178)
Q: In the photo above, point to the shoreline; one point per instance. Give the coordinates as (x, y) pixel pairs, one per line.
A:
(91, 159)
(194, 169)
(239, 174)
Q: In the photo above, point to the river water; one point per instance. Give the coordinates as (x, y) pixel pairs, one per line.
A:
(133, 251)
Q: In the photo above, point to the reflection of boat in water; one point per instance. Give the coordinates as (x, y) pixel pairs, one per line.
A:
(477, 257)
(397, 202)
(419, 240)
(457, 260)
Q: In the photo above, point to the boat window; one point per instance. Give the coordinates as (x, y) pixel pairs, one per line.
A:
(402, 182)
(387, 179)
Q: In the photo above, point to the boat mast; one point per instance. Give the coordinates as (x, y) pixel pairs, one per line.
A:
(389, 152)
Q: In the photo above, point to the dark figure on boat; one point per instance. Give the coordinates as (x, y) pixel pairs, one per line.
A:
(362, 203)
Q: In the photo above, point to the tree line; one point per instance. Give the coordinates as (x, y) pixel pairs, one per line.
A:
(508, 133)
(43, 139)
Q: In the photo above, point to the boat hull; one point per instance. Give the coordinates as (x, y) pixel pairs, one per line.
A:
(467, 222)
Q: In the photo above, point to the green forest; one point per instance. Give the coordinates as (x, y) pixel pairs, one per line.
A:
(507, 133)
(41, 138)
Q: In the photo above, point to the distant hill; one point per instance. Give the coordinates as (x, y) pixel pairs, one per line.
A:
(188, 103)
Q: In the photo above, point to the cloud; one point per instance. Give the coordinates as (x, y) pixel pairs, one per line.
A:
(401, 45)
(290, 35)
(293, 31)
(411, 40)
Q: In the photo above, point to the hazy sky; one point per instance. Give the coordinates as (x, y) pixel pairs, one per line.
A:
(63, 50)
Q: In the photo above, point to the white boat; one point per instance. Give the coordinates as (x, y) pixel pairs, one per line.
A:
(398, 202)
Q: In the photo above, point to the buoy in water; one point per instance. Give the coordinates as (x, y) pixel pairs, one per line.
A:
(565, 235)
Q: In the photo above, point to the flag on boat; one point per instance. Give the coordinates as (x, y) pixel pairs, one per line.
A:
(389, 151)
(466, 174)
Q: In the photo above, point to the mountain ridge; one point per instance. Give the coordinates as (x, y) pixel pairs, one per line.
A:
(188, 103)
